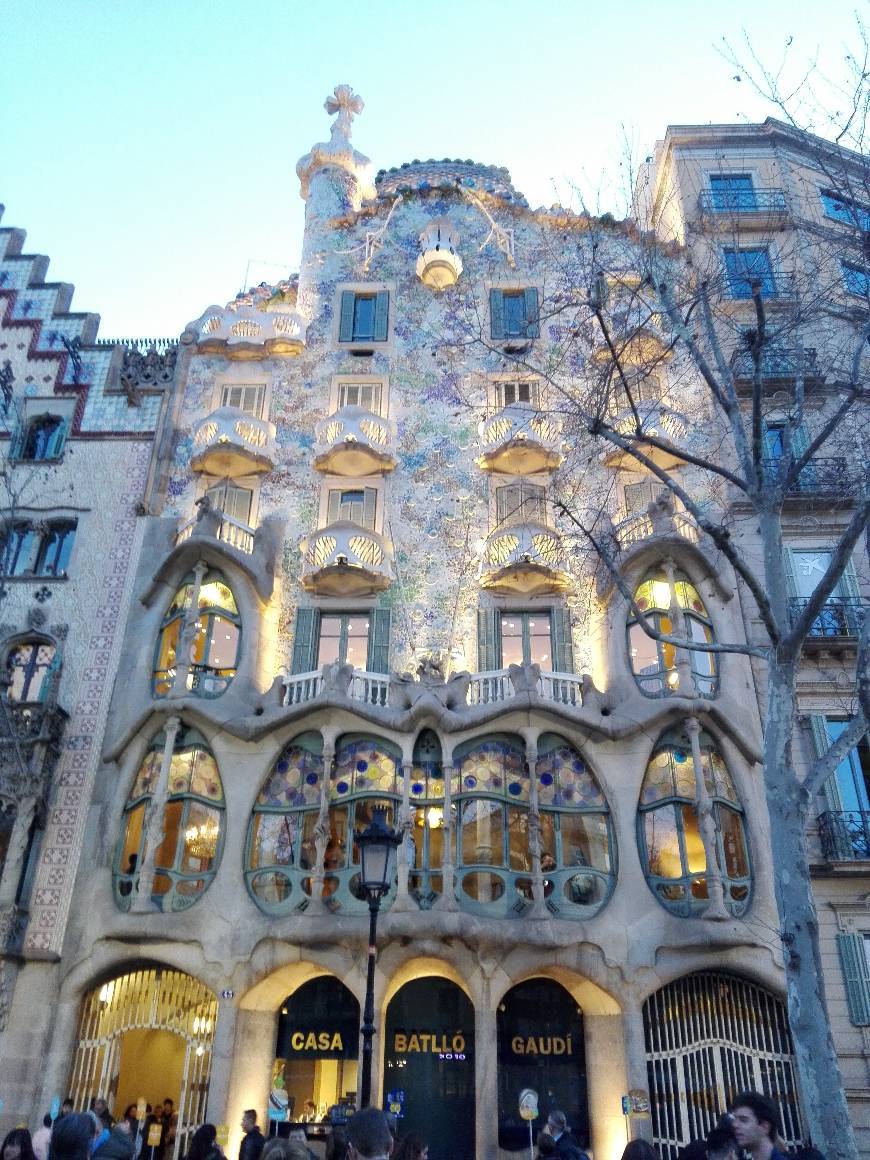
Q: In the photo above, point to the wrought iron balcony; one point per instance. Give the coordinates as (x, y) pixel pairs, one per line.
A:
(822, 476)
(778, 365)
(519, 440)
(229, 442)
(525, 558)
(345, 559)
(845, 837)
(840, 616)
(355, 442)
(743, 202)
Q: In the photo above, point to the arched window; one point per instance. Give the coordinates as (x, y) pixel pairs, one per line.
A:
(214, 653)
(577, 845)
(30, 666)
(43, 438)
(426, 845)
(490, 794)
(281, 849)
(671, 845)
(653, 662)
(367, 772)
(188, 856)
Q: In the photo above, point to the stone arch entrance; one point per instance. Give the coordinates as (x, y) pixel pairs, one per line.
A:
(152, 1025)
(709, 1036)
(429, 1064)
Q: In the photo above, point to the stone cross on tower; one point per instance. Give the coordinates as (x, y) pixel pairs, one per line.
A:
(348, 105)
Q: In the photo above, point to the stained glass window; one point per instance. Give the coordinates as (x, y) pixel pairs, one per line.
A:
(215, 647)
(654, 662)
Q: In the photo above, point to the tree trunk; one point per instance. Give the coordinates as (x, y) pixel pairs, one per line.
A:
(824, 1101)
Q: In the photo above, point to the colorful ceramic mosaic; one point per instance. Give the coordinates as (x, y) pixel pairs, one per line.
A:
(364, 767)
(565, 782)
(294, 781)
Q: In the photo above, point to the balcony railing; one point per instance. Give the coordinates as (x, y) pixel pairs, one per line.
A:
(639, 526)
(777, 364)
(230, 442)
(230, 531)
(345, 559)
(487, 688)
(354, 441)
(742, 201)
(821, 476)
(527, 558)
(845, 837)
(246, 332)
(839, 616)
(520, 440)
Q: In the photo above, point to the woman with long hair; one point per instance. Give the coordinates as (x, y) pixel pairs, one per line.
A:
(17, 1146)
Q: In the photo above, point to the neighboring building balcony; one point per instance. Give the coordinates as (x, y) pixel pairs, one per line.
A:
(839, 620)
(230, 443)
(779, 367)
(750, 209)
(229, 531)
(526, 559)
(518, 440)
(490, 688)
(824, 478)
(355, 442)
(845, 837)
(250, 333)
(345, 559)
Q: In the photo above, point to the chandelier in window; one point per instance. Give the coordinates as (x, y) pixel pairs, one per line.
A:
(201, 840)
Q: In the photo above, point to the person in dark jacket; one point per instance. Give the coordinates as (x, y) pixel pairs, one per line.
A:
(567, 1147)
(118, 1144)
(252, 1141)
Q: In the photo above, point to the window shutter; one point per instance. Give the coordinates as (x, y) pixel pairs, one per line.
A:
(496, 313)
(333, 506)
(345, 323)
(382, 315)
(488, 640)
(370, 507)
(507, 500)
(848, 583)
(638, 496)
(821, 744)
(378, 660)
(790, 586)
(800, 440)
(563, 649)
(305, 640)
(856, 976)
(532, 327)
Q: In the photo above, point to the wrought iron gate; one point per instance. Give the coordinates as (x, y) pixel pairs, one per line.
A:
(155, 999)
(710, 1036)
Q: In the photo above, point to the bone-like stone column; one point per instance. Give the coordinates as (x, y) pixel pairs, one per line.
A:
(222, 1054)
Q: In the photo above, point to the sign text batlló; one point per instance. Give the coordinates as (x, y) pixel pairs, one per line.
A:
(428, 1041)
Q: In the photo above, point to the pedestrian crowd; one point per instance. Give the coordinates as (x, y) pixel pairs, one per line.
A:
(750, 1130)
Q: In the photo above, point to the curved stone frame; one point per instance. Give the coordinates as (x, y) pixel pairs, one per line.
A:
(348, 783)
(571, 894)
(694, 611)
(179, 614)
(303, 754)
(738, 889)
(426, 794)
(125, 882)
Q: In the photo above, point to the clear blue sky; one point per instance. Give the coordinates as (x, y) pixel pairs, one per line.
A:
(149, 146)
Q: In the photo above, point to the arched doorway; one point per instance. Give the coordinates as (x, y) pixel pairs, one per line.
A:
(429, 1065)
(146, 1033)
(710, 1036)
(316, 1052)
(540, 1046)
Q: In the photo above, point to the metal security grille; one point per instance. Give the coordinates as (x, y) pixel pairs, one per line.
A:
(158, 1000)
(710, 1036)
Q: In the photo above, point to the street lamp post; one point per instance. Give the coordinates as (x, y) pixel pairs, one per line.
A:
(377, 844)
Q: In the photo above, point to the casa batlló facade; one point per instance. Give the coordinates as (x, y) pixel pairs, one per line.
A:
(344, 585)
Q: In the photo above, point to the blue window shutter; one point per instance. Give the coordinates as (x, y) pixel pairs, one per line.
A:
(496, 313)
(532, 326)
(378, 660)
(382, 315)
(856, 976)
(562, 645)
(488, 640)
(305, 640)
(345, 324)
(370, 507)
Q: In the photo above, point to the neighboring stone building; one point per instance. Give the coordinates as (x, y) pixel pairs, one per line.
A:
(354, 588)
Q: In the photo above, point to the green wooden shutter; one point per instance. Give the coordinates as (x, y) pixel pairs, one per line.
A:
(821, 744)
(488, 640)
(345, 323)
(333, 506)
(790, 586)
(856, 976)
(378, 660)
(562, 645)
(370, 507)
(531, 298)
(382, 315)
(305, 640)
(496, 313)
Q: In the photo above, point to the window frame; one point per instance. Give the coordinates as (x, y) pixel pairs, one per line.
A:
(61, 535)
(654, 613)
(498, 387)
(383, 315)
(536, 494)
(854, 274)
(55, 442)
(525, 635)
(198, 671)
(227, 385)
(32, 668)
(769, 287)
(730, 202)
(854, 213)
(341, 382)
(530, 327)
